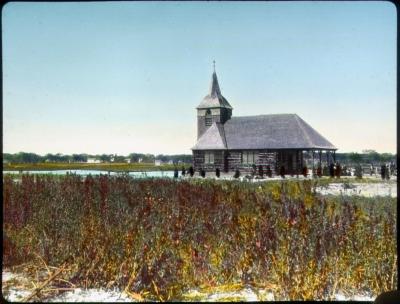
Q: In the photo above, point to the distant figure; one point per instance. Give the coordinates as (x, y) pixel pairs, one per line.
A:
(319, 171)
(358, 171)
(393, 168)
(269, 171)
(383, 171)
(191, 171)
(371, 170)
(260, 171)
(237, 173)
(325, 171)
(387, 171)
(217, 172)
(253, 170)
(282, 172)
(202, 173)
(305, 171)
(338, 170)
(176, 172)
(332, 170)
(183, 171)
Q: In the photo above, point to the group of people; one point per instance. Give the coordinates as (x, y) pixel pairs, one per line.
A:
(386, 170)
(190, 171)
(333, 170)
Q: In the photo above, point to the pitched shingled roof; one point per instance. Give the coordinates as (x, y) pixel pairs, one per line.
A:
(276, 131)
(212, 139)
(214, 99)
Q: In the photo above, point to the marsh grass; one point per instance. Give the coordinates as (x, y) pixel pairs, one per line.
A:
(159, 238)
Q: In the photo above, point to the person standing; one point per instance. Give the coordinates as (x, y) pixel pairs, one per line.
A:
(282, 172)
(261, 171)
(191, 171)
(332, 170)
(387, 172)
(338, 170)
(383, 171)
(319, 171)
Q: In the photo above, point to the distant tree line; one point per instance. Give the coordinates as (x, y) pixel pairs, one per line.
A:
(26, 157)
(368, 156)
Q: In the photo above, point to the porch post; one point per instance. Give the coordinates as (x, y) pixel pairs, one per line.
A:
(313, 160)
(320, 158)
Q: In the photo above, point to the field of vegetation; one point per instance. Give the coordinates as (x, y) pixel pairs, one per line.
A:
(88, 166)
(159, 238)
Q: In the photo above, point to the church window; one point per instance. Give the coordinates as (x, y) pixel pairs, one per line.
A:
(209, 157)
(208, 119)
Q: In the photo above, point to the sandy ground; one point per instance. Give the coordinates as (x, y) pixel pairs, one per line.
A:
(361, 189)
(13, 294)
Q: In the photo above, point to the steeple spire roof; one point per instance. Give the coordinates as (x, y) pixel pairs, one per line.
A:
(214, 88)
(214, 99)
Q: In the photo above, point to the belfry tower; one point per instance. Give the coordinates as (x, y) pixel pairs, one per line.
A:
(213, 108)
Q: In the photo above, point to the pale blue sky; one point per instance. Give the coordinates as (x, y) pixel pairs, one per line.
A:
(122, 77)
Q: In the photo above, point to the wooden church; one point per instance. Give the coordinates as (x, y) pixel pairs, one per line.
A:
(275, 140)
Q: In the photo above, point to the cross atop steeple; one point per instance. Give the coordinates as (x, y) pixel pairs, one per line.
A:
(214, 65)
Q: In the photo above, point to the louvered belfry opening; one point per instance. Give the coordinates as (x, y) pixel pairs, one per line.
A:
(208, 118)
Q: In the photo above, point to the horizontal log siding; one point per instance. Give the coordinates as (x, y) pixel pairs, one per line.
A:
(265, 158)
(274, 159)
(198, 161)
(234, 160)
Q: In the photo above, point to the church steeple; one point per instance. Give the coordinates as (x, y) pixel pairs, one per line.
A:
(213, 108)
(214, 99)
(214, 88)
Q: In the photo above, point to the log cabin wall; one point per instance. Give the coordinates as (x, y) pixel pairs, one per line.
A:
(265, 158)
(218, 162)
(232, 160)
(199, 161)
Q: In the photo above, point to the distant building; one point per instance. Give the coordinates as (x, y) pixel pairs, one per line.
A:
(128, 160)
(159, 162)
(275, 140)
(93, 161)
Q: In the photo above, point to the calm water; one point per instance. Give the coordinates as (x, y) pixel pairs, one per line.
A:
(98, 172)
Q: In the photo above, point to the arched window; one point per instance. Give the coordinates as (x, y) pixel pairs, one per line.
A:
(208, 118)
